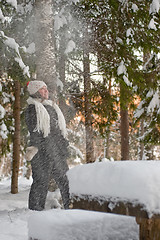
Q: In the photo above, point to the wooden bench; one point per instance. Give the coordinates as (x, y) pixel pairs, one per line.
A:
(149, 228)
(103, 187)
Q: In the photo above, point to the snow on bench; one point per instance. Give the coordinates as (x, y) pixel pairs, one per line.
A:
(80, 224)
(123, 187)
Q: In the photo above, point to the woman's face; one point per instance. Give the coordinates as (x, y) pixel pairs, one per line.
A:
(44, 92)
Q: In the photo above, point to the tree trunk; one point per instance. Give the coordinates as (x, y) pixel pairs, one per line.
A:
(16, 139)
(62, 56)
(87, 102)
(106, 145)
(142, 156)
(124, 124)
(44, 41)
(62, 74)
(124, 135)
(107, 135)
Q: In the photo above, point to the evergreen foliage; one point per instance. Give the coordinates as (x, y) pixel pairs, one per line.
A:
(122, 33)
(6, 110)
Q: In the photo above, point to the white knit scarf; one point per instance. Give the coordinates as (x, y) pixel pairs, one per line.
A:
(43, 118)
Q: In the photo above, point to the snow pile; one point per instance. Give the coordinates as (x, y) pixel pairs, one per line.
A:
(133, 181)
(79, 224)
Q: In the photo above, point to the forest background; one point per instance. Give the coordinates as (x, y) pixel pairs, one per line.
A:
(101, 62)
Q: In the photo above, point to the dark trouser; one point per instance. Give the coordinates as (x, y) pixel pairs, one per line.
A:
(63, 185)
(42, 171)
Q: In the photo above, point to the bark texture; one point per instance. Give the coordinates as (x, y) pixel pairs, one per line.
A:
(44, 40)
(124, 123)
(87, 101)
(124, 135)
(16, 140)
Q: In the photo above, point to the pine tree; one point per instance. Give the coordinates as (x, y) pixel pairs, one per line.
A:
(120, 29)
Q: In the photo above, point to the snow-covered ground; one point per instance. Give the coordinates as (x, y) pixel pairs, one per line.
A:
(14, 212)
(14, 215)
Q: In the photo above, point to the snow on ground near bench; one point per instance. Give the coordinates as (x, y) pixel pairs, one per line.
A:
(136, 181)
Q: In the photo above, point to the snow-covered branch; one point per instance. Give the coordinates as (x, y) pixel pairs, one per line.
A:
(11, 43)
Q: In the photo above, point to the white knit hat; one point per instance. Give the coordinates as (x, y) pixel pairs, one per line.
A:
(34, 86)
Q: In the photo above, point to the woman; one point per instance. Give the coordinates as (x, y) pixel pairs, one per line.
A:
(48, 145)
